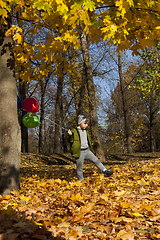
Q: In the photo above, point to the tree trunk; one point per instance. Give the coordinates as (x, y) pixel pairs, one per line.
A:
(91, 95)
(40, 142)
(10, 138)
(72, 61)
(81, 105)
(152, 138)
(24, 130)
(125, 109)
(64, 135)
(152, 120)
(43, 91)
(58, 105)
(23, 90)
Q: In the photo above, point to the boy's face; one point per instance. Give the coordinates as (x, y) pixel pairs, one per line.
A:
(84, 125)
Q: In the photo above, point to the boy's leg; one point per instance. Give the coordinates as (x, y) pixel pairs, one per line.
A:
(79, 163)
(90, 156)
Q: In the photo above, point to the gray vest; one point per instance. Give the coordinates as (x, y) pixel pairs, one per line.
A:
(84, 140)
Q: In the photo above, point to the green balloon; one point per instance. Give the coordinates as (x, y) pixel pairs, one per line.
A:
(30, 120)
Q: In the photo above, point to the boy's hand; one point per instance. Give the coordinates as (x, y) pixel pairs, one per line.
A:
(69, 132)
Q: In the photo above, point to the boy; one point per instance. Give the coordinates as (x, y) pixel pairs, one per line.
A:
(80, 147)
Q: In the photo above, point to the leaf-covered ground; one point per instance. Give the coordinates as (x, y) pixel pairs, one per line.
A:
(52, 204)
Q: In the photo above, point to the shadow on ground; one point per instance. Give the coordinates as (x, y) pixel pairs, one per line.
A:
(55, 165)
(113, 159)
(64, 167)
(14, 226)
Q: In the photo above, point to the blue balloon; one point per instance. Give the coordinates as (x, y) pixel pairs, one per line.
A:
(18, 102)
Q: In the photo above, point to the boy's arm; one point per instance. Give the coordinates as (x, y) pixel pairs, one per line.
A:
(70, 136)
(69, 132)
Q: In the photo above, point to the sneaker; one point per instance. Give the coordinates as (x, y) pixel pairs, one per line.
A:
(108, 173)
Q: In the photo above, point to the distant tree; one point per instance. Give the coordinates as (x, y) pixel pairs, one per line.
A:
(115, 114)
(126, 115)
(148, 85)
(58, 120)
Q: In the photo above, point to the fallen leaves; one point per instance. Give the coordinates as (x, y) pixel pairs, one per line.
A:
(83, 211)
(126, 235)
(52, 204)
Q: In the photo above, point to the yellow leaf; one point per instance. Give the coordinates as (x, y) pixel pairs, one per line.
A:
(7, 197)
(25, 198)
(3, 13)
(22, 3)
(138, 215)
(142, 190)
(62, 8)
(126, 235)
(120, 219)
(78, 218)
(77, 196)
(63, 225)
(8, 33)
(104, 196)
(88, 208)
(126, 205)
(72, 233)
(18, 37)
(111, 184)
(58, 181)
(119, 193)
(142, 182)
(39, 224)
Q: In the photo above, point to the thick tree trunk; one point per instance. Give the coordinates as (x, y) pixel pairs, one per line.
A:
(125, 109)
(91, 95)
(10, 138)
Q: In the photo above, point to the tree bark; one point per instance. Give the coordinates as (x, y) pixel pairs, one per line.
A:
(40, 140)
(72, 61)
(10, 138)
(24, 130)
(58, 105)
(91, 96)
(152, 117)
(125, 109)
(23, 90)
(43, 91)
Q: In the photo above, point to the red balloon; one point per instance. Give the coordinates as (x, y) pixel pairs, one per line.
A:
(30, 105)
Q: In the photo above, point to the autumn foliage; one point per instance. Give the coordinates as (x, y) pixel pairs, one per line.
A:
(52, 204)
(125, 23)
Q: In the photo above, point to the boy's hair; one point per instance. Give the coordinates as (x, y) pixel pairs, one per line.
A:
(82, 118)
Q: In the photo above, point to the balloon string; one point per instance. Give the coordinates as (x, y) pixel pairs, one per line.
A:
(55, 123)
